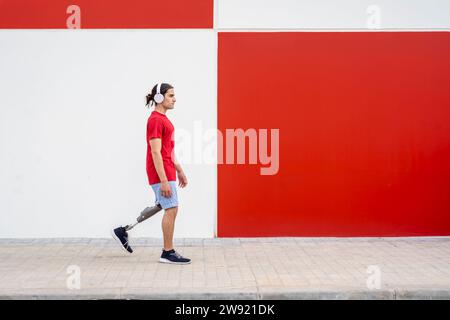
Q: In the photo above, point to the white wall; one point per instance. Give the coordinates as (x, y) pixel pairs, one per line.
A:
(73, 129)
(72, 119)
(332, 14)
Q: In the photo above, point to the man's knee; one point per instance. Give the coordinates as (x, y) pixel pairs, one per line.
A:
(171, 211)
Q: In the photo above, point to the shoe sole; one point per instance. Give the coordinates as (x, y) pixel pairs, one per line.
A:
(163, 260)
(113, 234)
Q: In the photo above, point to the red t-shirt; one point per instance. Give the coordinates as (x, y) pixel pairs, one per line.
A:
(159, 126)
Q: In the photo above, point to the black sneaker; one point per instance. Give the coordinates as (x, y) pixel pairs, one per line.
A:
(173, 257)
(121, 237)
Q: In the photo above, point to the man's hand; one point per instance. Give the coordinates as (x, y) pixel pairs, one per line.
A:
(182, 180)
(166, 191)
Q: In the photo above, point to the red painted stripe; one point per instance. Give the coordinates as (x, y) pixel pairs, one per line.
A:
(52, 14)
(364, 133)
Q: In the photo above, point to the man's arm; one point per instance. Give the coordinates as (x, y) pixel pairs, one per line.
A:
(181, 176)
(155, 145)
(177, 165)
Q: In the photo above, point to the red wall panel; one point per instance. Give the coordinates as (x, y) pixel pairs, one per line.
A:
(51, 14)
(364, 120)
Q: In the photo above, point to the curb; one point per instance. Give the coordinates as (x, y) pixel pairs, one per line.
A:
(249, 294)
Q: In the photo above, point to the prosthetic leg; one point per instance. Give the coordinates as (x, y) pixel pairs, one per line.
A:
(145, 214)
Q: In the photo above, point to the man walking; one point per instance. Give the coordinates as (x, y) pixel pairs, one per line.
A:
(162, 169)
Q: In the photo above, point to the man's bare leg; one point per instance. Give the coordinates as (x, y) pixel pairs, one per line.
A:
(168, 226)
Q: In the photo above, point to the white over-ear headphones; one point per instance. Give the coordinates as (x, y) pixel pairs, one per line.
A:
(158, 96)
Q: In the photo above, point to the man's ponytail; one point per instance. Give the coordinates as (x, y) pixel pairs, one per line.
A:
(149, 98)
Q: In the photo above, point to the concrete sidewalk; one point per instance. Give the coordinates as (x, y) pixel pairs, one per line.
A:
(228, 268)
